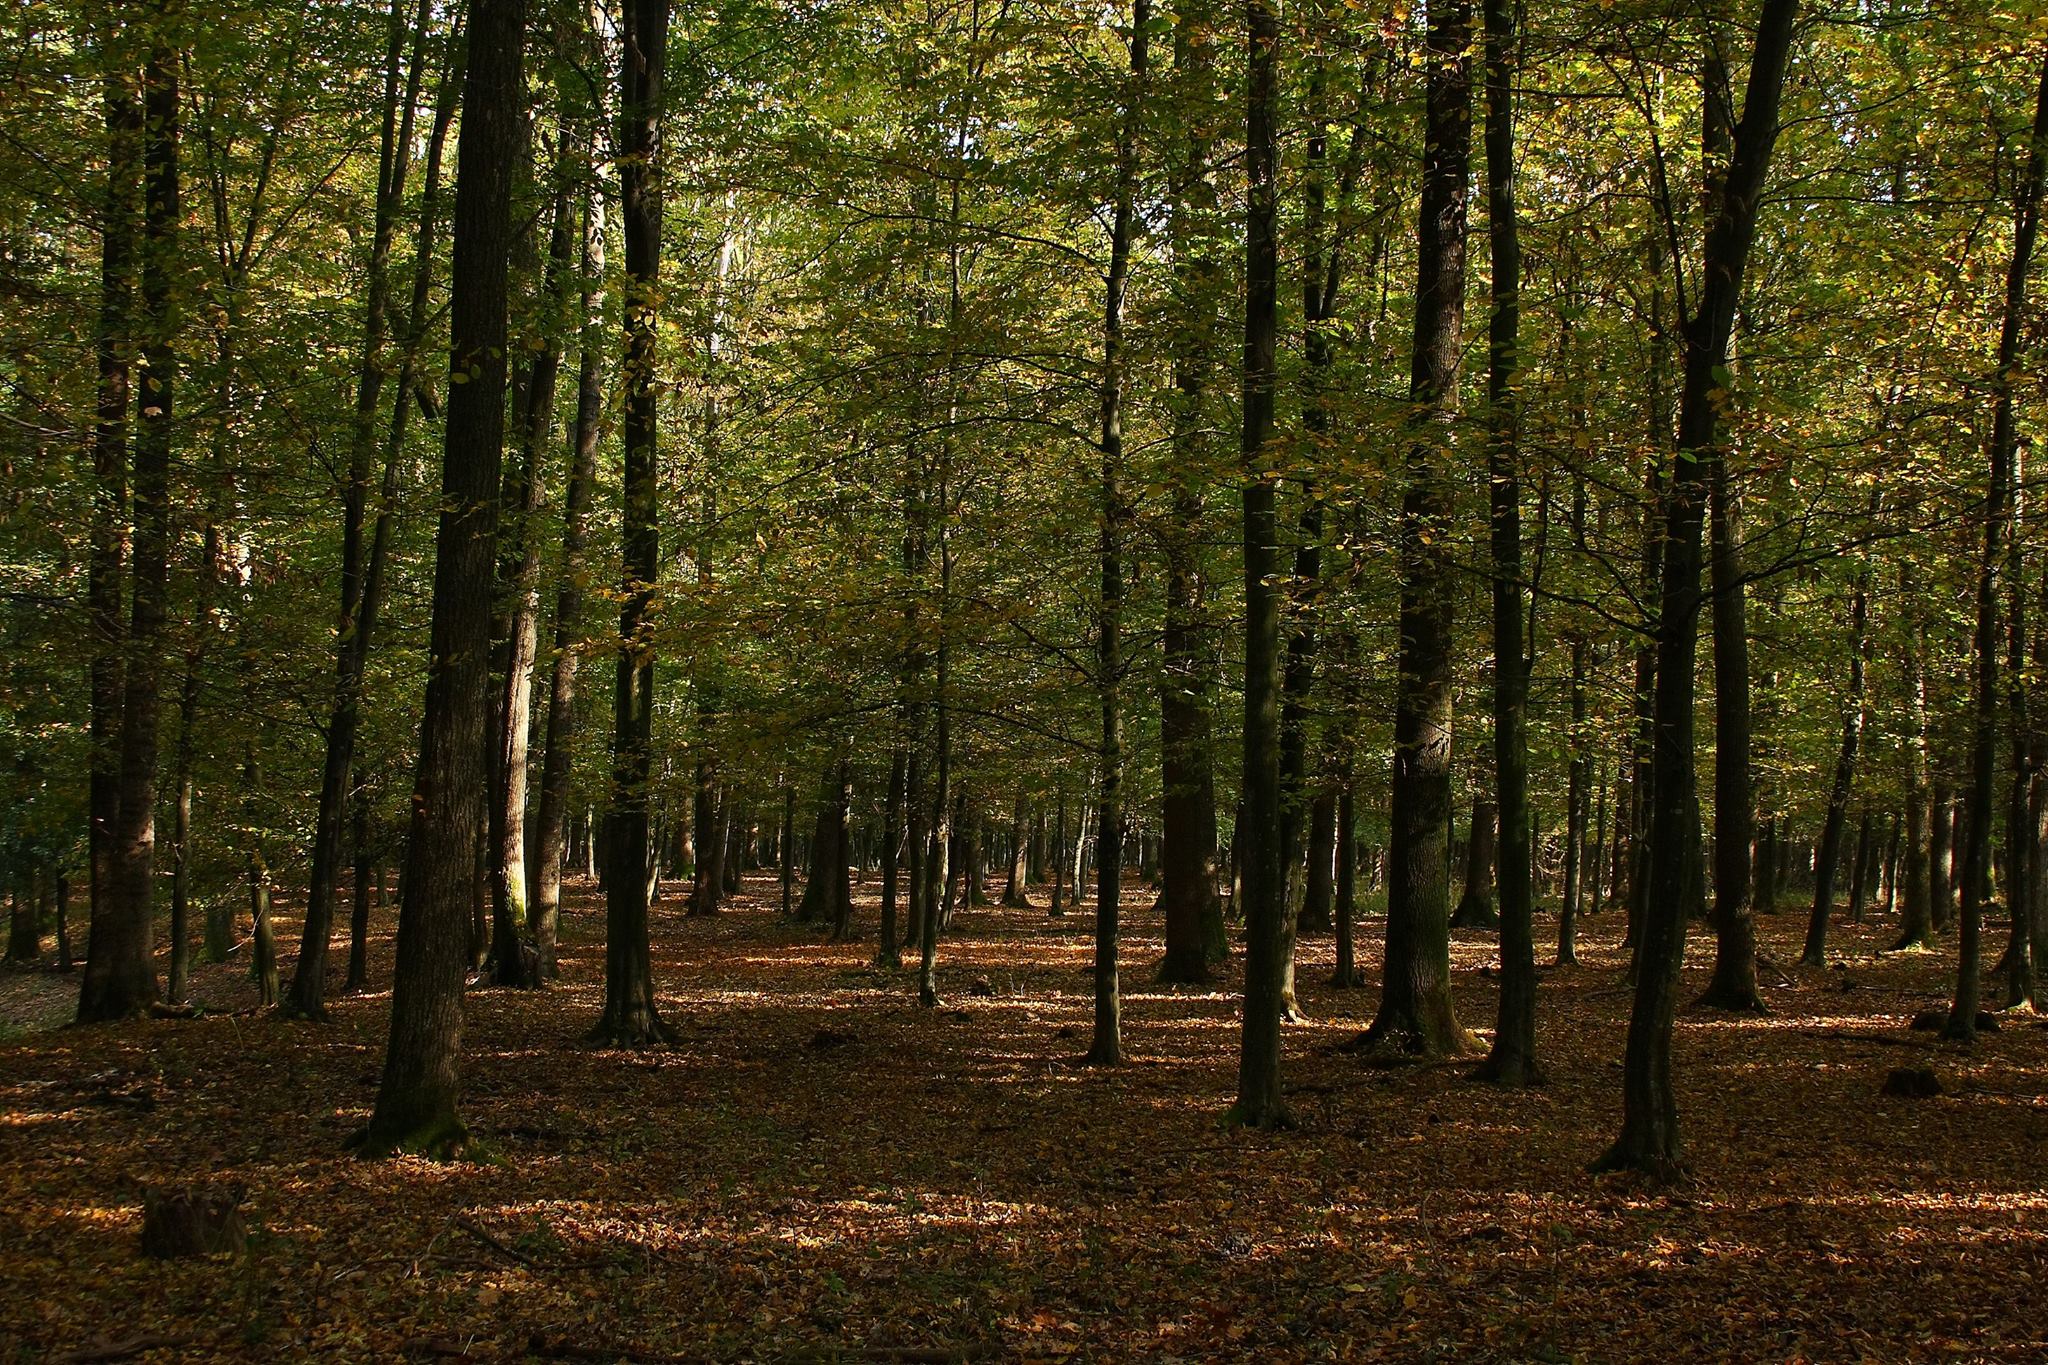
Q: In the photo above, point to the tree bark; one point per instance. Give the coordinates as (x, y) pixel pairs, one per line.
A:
(630, 1017)
(1258, 835)
(416, 1102)
(1827, 860)
(1416, 1014)
(307, 997)
(120, 971)
(113, 343)
(1962, 1019)
(558, 746)
(1649, 1138)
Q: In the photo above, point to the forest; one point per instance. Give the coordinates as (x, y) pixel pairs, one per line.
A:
(943, 680)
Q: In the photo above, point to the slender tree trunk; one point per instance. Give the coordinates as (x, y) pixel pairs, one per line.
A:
(559, 745)
(1475, 903)
(308, 978)
(1258, 832)
(1346, 975)
(366, 870)
(1014, 895)
(1649, 1138)
(113, 344)
(1512, 1059)
(889, 954)
(1106, 1045)
(1828, 859)
(1416, 1013)
(1319, 889)
(515, 957)
(416, 1103)
(181, 834)
(1962, 1019)
(1941, 847)
(630, 1017)
(120, 971)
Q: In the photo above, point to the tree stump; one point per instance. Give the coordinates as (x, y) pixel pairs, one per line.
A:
(1912, 1083)
(192, 1222)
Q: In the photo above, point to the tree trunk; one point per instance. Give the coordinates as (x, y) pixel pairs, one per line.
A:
(889, 954)
(1416, 1014)
(120, 970)
(630, 1017)
(1014, 895)
(1475, 904)
(1258, 833)
(1962, 1019)
(416, 1103)
(308, 989)
(840, 876)
(558, 747)
(366, 870)
(1827, 861)
(1733, 985)
(1319, 889)
(113, 343)
(1512, 1059)
(1649, 1138)
(1346, 975)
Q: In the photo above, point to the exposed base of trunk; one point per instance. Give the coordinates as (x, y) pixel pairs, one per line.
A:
(1653, 1155)
(1403, 1033)
(1735, 997)
(521, 973)
(1312, 921)
(1016, 900)
(1184, 967)
(1475, 912)
(636, 1027)
(1104, 1052)
(1273, 1117)
(1510, 1068)
(1352, 980)
(443, 1138)
(304, 1011)
(1734, 991)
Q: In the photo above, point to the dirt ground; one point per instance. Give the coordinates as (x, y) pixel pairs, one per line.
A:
(821, 1170)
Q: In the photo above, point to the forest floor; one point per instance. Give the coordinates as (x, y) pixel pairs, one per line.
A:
(820, 1170)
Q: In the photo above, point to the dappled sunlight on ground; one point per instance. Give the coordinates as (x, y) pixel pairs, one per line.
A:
(820, 1164)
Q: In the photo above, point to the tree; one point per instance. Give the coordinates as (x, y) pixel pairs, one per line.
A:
(1258, 838)
(120, 973)
(630, 1017)
(416, 1100)
(1962, 1018)
(1649, 1128)
(1416, 1013)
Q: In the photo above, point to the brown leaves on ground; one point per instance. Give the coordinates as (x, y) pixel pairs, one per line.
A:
(953, 1180)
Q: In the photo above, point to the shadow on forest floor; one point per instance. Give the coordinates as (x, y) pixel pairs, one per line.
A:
(819, 1165)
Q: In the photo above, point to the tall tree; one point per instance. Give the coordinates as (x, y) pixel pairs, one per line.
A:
(1962, 1018)
(629, 1015)
(1649, 1140)
(120, 971)
(401, 96)
(416, 1102)
(1512, 1060)
(112, 344)
(1416, 1013)
(1106, 1046)
(1188, 902)
(1258, 838)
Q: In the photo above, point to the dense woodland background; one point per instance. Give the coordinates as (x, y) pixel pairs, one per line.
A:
(1303, 513)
